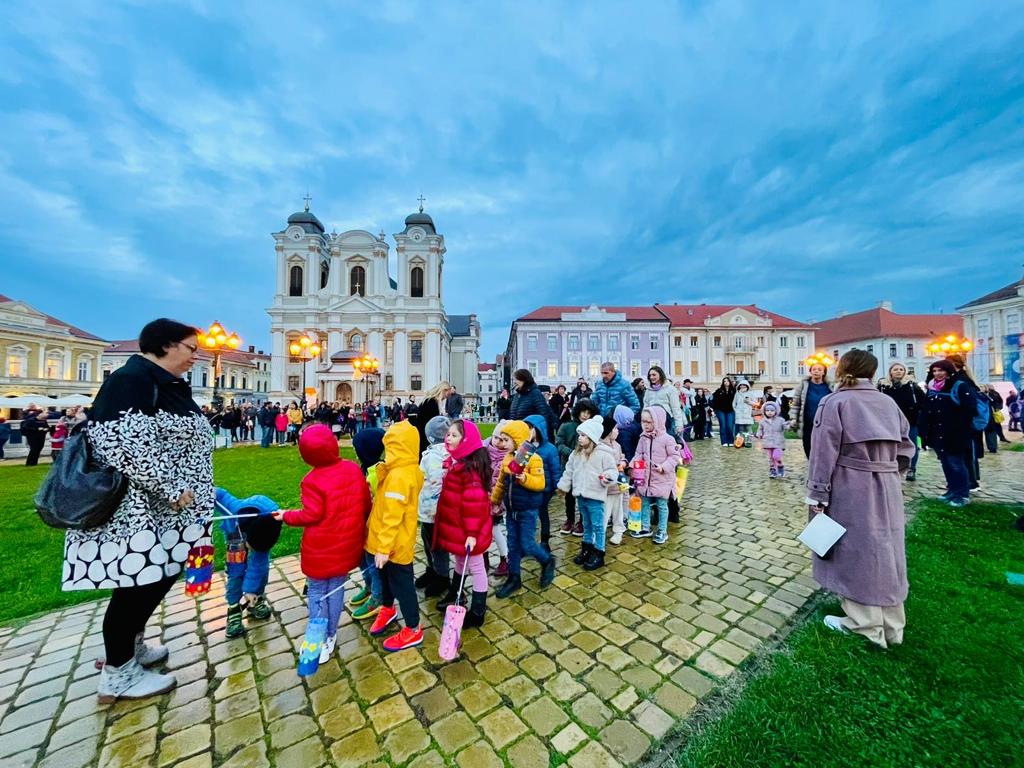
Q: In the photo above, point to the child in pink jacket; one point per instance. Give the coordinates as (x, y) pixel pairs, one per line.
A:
(654, 471)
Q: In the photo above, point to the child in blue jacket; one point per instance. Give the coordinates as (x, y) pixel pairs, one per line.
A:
(552, 472)
(249, 541)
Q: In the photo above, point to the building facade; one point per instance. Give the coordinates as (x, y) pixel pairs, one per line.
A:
(995, 324)
(709, 342)
(46, 356)
(890, 337)
(338, 289)
(490, 385)
(245, 375)
(559, 345)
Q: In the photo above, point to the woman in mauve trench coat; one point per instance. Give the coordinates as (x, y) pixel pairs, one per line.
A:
(860, 450)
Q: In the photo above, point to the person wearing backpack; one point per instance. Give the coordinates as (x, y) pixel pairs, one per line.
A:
(980, 415)
(947, 426)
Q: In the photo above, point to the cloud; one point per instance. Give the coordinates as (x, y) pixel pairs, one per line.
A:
(804, 157)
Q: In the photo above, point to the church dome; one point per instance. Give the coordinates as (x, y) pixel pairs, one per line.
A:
(420, 219)
(307, 221)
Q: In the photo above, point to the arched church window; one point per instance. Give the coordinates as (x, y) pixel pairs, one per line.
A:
(323, 277)
(416, 279)
(357, 281)
(295, 281)
(356, 342)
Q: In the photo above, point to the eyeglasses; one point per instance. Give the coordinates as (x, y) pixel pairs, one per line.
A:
(190, 347)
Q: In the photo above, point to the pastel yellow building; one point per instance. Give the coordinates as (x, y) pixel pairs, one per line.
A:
(45, 356)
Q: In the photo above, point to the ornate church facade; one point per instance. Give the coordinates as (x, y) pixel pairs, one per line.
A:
(338, 291)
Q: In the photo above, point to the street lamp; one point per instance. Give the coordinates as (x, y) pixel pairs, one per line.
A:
(950, 345)
(368, 366)
(217, 340)
(819, 358)
(305, 349)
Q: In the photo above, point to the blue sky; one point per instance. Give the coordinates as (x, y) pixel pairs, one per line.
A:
(809, 157)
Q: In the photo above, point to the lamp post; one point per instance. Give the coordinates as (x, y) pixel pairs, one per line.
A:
(950, 345)
(305, 349)
(215, 339)
(368, 365)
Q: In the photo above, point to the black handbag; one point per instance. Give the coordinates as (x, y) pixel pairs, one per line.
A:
(78, 492)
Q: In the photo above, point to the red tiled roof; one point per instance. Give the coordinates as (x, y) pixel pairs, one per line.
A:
(486, 366)
(631, 313)
(131, 346)
(694, 315)
(881, 323)
(51, 320)
(1006, 292)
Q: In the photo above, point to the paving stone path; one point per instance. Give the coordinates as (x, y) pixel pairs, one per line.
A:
(591, 672)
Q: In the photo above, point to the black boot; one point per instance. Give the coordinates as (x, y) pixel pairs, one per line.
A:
(477, 609)
(510, 587)
(426, 577)
(673, 510)
(451, 596)
(585, 551)
(547, 573)
(595, 561)
(438, 585)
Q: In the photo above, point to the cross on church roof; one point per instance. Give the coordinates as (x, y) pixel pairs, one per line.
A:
(308, 200)
(422, 199)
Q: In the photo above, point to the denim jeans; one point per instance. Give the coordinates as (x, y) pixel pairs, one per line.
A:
(522, 539)
(917, 451)
(248, 578)
(726, 427)
(329, 608)
(954, 467)
(592, 513)
(266, 436)
(645, 513)
(371, 577)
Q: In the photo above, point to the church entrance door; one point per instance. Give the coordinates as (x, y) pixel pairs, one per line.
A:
(344, 393)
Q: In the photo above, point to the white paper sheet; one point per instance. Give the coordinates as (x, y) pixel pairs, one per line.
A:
(821, 534)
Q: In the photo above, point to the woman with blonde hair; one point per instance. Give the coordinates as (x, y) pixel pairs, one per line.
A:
(860, 444)
(910, 398)
(433, 404)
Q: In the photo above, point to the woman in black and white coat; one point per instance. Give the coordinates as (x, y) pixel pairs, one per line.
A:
(145, 423)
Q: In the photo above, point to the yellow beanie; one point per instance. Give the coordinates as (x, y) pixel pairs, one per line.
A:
(517, 431)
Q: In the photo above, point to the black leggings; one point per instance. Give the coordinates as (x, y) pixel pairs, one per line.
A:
(437, 559)
(570, 508)
(127, 613)
(545, 519)
(397, 582)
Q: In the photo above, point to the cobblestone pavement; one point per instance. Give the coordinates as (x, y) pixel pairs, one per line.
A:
(591, 672)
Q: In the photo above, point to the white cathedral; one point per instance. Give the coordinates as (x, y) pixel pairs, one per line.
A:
(337, 290)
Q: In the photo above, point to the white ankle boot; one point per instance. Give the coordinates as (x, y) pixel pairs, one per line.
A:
(131, 681)
(149, 655)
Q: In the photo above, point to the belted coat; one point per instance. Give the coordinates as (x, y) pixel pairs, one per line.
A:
(860, 445)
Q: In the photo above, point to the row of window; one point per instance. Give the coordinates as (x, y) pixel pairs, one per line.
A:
(740, 341)
(635, 369)
(893, 350)
(593, 342)
(356, 281)
(18, 367)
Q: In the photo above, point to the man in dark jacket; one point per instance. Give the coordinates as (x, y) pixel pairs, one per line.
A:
(453, 404)
(614, 390)
(34, 428)
(265, 417)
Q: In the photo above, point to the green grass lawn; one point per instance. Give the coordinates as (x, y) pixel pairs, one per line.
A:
(952, 695)
(32, 585)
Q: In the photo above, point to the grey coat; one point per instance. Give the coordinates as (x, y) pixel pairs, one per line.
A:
(860, 445)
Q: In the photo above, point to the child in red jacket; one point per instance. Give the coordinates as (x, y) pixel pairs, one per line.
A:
(335, 504)
(463, 520)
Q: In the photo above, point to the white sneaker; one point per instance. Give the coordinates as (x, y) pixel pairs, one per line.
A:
(616, 539)
(146, 655)
(327, 650)
(835, 623)
(131, 681)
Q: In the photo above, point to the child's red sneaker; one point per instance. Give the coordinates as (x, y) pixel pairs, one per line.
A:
(405, 638)
(384, 618)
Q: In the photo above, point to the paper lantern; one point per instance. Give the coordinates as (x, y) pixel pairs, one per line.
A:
(199, 570)
(633, 521)
(312, 644)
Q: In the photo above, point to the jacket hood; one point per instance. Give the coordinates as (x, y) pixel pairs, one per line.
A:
(540, 424)
(658, 416)
(369, 446)
(517, 431)
(318, 446)
(401, 445)
(584, 403)
(771, 404)
(743, 383)
(470, 440)
(436, 429)
(623, 416)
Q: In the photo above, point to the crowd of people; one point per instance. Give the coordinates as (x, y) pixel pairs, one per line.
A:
(615, 452)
